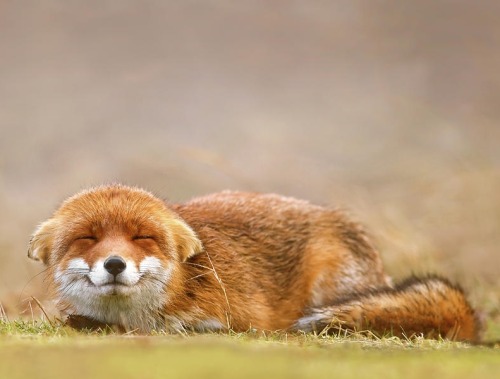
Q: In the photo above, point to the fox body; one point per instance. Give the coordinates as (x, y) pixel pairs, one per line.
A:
(118, 255)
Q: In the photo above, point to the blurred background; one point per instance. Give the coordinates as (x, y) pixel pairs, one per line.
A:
(387, 108)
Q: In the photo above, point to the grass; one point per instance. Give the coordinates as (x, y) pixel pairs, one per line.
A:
(41, 350)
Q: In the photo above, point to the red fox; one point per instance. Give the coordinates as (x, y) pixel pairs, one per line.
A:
(120, 256)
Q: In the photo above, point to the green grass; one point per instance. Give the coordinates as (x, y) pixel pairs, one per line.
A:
(39, 350)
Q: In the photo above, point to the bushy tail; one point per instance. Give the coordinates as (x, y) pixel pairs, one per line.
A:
(429, 306)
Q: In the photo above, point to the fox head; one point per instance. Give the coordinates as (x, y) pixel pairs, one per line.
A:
(113, 245)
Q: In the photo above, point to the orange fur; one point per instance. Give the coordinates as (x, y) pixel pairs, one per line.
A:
(237, 261)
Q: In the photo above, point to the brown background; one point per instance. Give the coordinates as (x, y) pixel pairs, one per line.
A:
(388, 108)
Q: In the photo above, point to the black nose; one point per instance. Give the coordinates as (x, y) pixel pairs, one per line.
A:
(114, 265)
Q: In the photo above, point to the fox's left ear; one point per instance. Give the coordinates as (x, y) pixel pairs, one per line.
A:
(187, 242)
(42, 241)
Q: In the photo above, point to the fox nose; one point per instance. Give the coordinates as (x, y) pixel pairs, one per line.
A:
(114, 265)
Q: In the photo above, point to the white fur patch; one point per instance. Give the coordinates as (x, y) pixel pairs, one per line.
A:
(209, 325)
(306, 323)
(77, 264)
(134, 300)
(150, 264)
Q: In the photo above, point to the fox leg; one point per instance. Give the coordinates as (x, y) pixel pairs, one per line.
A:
(429, 306)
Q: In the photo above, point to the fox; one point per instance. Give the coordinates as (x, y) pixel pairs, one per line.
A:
(119, 256)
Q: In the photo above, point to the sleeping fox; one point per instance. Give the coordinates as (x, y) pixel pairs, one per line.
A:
(120, 256)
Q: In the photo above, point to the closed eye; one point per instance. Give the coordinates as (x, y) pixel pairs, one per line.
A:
(143, 237)
(87, 238)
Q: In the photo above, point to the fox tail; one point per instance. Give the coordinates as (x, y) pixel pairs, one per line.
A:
(429, 306)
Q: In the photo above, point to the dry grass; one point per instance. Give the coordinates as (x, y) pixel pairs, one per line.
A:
(54, 351)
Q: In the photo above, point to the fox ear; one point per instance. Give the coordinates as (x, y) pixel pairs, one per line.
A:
(187, 242)
(41, 242)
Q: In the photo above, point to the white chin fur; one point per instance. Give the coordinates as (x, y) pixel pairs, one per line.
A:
(133, 302)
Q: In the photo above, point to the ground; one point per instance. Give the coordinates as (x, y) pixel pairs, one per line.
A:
(39, 350)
